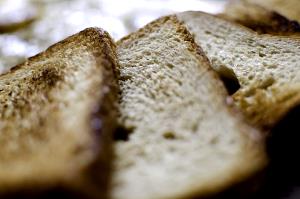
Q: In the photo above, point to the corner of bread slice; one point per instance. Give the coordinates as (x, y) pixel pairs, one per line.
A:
(58, 112)
(184, 140)
(264, 65)
(259, 19)
(290, 9)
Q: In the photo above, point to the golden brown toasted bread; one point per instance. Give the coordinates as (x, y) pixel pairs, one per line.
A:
(260, 19)
(57, 114)
(184, 140)
(266, 66)
(288, 8)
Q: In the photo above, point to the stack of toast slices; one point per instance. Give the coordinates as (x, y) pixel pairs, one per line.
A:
(182, 108)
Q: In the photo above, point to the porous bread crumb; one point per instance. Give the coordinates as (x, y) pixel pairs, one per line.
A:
(266, 67)
(184, 139)
(47, 107)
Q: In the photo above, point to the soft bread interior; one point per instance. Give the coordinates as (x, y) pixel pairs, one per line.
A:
(265, 66)
(184, 140)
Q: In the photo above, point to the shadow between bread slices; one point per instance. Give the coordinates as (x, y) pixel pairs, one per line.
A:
(265, 66)
(282, 175)
(268, 94)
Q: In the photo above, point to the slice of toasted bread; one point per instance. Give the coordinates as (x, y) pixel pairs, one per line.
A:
(267, 67)
(57, 113)
(288, 8)
(260, 19)
(183, 140)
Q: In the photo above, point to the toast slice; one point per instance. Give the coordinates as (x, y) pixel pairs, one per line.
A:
(259, 19)
(267, 67)
(179, 137)
(57, 114)
(288, 8)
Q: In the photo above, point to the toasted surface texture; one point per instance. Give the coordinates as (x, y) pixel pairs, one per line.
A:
(57, 114)
(184, 140)
(287, 8)
(267, 67)
(259, 18)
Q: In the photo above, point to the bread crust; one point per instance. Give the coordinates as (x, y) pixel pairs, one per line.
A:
(254, 149)
(259, 19)
(263, 111)
(287, 8)
(87, 180)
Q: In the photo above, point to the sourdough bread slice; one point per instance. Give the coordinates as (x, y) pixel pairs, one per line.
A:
(267, 67)
(259, 18)
(183, 138)
(57, 114)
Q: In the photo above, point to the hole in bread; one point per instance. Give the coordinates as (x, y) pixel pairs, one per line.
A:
(263, 46)
(261, 54)
(125, 77)
(273, 52)
(177, 39)
(122, 133)
(169, 135)
(251, 77)
(214, 140)
(229, 79)
(169, 65)
(148, 53)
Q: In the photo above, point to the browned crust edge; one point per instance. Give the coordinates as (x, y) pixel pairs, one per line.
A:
(258, 157)
(255, 147)
(271, 22)
(287, 100)
(250, 31)
(95, 178)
